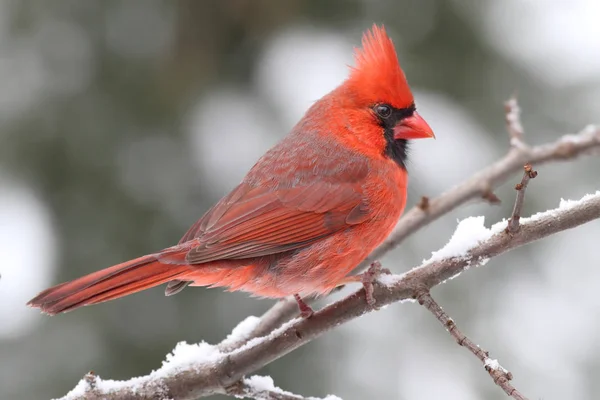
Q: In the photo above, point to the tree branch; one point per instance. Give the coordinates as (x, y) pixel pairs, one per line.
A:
(500, 375)
(182, 379)
(478, 186)
(255, 387)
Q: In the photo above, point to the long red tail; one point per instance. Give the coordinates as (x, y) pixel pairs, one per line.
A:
(111, 283)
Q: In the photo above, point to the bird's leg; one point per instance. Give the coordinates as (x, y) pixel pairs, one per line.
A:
(367, 278)
(370, 276)
(305, 310)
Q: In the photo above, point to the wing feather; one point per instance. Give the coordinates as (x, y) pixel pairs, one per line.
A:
(254, 222)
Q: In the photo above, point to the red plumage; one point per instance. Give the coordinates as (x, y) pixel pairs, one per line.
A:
(311, 209)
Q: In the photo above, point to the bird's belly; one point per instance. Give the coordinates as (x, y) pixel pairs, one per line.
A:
(321, 267)
(315, 269)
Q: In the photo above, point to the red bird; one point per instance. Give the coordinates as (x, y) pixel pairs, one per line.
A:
(308, 212)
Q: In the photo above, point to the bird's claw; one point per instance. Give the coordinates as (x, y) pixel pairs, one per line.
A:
(305, 310)
(370, 276)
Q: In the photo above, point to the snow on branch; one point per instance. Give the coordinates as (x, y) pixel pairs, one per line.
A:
(195, 371)
(263, 388)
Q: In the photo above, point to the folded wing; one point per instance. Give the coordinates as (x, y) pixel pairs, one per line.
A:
(254, 222)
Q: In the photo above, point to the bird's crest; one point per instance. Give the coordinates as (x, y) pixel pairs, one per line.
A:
(377, 76)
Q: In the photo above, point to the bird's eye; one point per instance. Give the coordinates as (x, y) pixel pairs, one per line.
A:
(383, 110)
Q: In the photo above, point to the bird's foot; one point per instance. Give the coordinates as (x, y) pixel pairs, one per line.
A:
(305, 310)
(370, 276)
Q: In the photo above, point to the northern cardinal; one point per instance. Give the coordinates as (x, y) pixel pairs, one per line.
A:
(308, 212)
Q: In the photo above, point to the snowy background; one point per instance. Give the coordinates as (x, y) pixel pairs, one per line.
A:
(122, 122)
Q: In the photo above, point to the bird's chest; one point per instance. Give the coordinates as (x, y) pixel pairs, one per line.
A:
(385, 193)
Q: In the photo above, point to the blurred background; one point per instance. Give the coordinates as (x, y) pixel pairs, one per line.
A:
(121, 122)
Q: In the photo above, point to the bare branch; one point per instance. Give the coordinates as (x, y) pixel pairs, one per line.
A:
(478, 186)
(513, 222)
(500, 375)
(202, 378)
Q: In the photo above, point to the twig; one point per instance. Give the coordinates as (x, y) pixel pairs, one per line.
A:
(514, 127)
(201, 379)
(513, 222)
(480, 185)
(500, 375)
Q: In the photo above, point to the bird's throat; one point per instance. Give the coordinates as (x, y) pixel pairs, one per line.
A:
(397, 150)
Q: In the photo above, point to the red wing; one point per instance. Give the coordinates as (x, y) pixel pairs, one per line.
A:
(253, 222)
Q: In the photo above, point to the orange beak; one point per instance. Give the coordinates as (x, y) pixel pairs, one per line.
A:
(413, 127)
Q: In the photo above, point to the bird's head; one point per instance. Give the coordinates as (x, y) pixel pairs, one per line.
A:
(378, 97)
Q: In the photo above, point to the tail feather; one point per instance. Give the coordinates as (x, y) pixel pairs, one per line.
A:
(108, 284)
